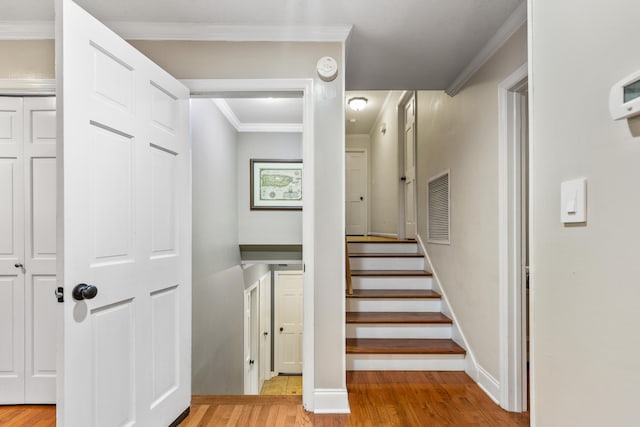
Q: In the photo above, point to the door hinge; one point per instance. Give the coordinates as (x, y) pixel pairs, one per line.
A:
(59, 293)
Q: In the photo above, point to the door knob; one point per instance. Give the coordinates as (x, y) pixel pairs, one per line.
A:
(265, 333)
(251, 362)
(84, 291)
(403, 178)
(361, 198)
(18, 265)
(281, 329)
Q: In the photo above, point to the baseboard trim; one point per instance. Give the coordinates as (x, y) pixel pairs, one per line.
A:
(488, 384)
(181, 417)
(331, 401)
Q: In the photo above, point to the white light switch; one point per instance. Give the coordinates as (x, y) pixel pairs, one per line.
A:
(573, 201)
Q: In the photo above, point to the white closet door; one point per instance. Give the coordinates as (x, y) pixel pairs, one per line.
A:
(40, 249)
(11, 252)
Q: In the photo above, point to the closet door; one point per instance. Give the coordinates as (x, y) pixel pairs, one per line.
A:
(11, 252)
(40, 249)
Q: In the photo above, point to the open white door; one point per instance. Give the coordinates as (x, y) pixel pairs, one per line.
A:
(356, 190)
(124, 230)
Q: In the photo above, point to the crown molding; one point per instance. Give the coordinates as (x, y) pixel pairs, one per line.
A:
(31, 30)
(255, 127)
(510, 26)
(26, 30)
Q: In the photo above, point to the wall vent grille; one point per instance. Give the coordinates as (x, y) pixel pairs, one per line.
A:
(439, 203)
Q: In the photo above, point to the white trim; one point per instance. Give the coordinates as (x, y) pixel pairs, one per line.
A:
(223, 105)
(405, 97)
(488, 384)
(202, 87)
(331, 401)
(28, 87)
(27, 30)
(32, 30)
(512, 357)
(510, 26)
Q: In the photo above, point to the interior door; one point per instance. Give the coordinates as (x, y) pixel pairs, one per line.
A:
(265, 330)
(289, 322)
(356, 189)
(124, 231)
(11, 252)
(410, 168)
(40, 249)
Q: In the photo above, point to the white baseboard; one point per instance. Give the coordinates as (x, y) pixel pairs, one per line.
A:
(488, 384)
(331, 401)
(405, 362)
(390, 235)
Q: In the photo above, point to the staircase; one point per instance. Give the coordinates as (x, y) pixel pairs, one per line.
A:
(394, 319)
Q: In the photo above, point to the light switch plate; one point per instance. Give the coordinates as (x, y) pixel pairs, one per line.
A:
(573, 201)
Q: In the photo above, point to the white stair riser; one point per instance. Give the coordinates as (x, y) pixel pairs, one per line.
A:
(383, 248)
(387, 263)
(360, 282)
(405, 362)
(381, 304)
(368, 330)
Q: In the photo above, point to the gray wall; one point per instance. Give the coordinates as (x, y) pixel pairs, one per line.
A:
(461, 134)
(586, 308)
(218, 280)
(261, 227)
(384, 174)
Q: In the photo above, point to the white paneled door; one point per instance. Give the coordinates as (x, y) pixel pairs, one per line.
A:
(27, 250)
(12, 212)
(410, 167)
(288, 322)
(126, 233)
(356, 190)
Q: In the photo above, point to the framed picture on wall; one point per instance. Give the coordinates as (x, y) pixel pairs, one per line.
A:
(275, 184)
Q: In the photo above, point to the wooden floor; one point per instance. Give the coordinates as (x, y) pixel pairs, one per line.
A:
(402, 399)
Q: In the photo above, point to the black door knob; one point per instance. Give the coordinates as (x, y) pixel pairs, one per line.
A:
(361, 198)
(84, 291)
(281, 329)
(403, 178)
(18, 265)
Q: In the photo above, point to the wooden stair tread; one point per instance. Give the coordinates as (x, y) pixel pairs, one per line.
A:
(396, 317)
(390, 273)
(385, 255)
(402, 346)
(394, 293)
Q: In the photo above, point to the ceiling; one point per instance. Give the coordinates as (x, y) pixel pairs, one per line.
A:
(365, 118)
(266, 110)
(402, 44)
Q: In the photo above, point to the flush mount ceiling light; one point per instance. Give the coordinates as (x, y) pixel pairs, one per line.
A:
(358, 103)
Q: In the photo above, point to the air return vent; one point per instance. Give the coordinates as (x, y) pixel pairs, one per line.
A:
(439, 202)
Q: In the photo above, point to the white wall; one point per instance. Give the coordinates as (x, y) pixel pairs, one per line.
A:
(461, 134)
(384, 175)
(586, 308)
(362, 141)
(263, 227)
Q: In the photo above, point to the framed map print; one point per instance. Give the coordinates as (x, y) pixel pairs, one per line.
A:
(275, 184)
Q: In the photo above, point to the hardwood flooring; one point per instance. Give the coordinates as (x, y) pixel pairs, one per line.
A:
(389, 399)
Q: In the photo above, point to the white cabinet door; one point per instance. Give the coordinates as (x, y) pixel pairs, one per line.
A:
(124, 167)
(289, 322)
(40, 249)
(11, 252)
(356, 189)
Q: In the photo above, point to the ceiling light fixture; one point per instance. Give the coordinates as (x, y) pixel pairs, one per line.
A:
(358, 103)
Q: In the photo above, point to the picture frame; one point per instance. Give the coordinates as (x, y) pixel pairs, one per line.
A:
(275, 184)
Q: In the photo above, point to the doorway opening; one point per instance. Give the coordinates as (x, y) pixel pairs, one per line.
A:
(241, 246)
(514, 150)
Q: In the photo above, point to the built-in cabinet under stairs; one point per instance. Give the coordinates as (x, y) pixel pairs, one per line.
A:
(394, 318)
